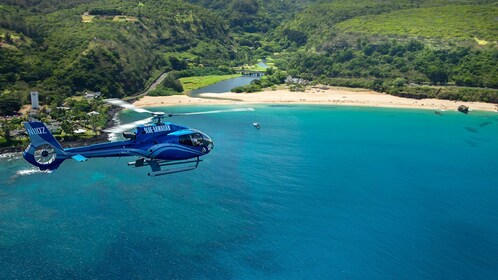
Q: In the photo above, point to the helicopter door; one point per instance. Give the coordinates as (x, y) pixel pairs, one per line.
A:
(185, 140)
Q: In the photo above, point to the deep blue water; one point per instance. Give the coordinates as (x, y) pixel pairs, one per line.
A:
(318, 192)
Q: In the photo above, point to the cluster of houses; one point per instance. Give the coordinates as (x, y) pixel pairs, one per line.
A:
(54, 125)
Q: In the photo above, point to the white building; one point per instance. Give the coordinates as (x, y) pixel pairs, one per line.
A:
(34, 100)
(92, 95)
(93, 113)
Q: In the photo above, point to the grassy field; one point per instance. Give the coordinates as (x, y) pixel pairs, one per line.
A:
(254, 67)
(191, 83)
(85, 18)
(468, 22)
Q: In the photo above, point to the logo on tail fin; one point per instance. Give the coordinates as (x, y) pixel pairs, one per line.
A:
(36, 130)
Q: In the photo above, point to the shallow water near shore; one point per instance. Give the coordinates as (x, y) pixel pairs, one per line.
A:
(318, 192)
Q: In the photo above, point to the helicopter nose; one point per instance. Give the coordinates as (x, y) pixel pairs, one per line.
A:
(209, 145)
(207, 142)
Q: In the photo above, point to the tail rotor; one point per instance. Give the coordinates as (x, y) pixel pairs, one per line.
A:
(44, 150)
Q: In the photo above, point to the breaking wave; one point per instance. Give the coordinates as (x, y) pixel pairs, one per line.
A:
(31, 171)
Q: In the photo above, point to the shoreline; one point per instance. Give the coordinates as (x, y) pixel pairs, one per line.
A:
(70, 142)
(315, 95)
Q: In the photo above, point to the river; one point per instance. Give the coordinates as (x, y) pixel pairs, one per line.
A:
(227, 85)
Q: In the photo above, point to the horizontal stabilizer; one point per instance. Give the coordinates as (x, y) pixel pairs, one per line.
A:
(79, 158)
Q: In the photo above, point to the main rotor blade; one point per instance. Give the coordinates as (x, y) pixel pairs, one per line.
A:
(212, 112)
(125, 127)
(126, 105)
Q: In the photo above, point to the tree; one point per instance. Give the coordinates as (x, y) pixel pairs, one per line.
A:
(437, 74)
(68, 127)
(399, 82)
(171, 82)
(9, 105)
(6, 128)
(295, 36)
(177, 64)
(8, 38)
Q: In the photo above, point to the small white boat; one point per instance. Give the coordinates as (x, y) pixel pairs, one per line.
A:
(256, 125)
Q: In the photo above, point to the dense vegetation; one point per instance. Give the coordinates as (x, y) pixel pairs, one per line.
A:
(400, 47)
(453, 22)
(253, 15)
(394, 65)
(67, 56)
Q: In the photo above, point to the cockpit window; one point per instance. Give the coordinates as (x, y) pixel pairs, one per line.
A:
(206, 137)
(194, 139)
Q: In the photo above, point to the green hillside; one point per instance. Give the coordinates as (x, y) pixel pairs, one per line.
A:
(453, 22)
(64, 48)
(313, 25)
(255, 15)
(317, 23)
(124, 45)
(409, 48)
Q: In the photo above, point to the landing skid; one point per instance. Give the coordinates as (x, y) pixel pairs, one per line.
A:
(157, 164)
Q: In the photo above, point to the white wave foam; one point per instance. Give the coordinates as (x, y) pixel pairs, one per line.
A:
(10, 156)
(31, 171)
(114, 136)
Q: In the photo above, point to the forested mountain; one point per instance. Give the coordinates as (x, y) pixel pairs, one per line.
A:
(396, 46)
(318, 22)
(64, 48)
(255, 15)
(45, 6)
(112, 47)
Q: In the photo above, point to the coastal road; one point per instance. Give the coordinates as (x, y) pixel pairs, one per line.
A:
(151, 88)
(155, 83)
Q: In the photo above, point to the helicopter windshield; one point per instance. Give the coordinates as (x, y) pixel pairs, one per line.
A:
(196, 139)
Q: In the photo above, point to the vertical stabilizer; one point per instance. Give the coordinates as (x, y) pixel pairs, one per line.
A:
(39, 134)
(44, 150)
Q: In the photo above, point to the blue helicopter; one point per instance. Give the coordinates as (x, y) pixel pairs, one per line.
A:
(163, 146)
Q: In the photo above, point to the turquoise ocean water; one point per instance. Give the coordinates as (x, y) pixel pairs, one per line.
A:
(318, 192)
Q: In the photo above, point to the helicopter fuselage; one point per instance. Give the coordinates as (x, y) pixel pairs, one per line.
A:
(158, 142)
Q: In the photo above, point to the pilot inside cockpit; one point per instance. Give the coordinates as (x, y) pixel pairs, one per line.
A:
(196, 139)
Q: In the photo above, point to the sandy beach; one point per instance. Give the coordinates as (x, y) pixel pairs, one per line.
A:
(316, 95)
